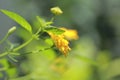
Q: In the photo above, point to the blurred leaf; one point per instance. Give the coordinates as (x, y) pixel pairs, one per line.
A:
(87, 60)
(49, 23)
(113, 69)
(49, 41)
(77, 70)
(54, 30)
(49, 54)
(104, 59)
(12, 72)
(20, 20)
(1, 75)
(4, 63)
(41, 21)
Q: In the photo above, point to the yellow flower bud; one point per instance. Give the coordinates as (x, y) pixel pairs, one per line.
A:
(11, 30)
(56, 10)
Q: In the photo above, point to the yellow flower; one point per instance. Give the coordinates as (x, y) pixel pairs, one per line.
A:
(60, 43)
(70, 34)
(56, 10)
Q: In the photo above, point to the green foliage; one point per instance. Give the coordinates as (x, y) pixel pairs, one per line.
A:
(41, 21)
(54, 30)
(49, 42)
(12, 72)
(4, 64)
(36, 57)
(45, 46)
(20, 20)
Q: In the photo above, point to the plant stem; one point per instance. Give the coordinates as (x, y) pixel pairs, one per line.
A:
(23, 45)
(18, 48)
(5, 37)
(2, 69)
(38, 31)
(3, 54)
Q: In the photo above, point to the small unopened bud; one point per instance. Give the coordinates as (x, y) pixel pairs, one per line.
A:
(11, 30)
(56, 10)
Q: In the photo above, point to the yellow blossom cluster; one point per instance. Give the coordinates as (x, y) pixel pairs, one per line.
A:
(61, 43)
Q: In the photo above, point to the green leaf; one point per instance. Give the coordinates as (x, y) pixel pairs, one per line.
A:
(12, 72)
(41, 21)
(49, 23)
(4, 63)
(49, 41)
(54, 30)
(20, 20)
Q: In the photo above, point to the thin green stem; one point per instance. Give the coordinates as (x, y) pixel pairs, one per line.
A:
(23, 45)
(3, 54)
(18, 48)
(2, 69)
(37, 50)
(5, 37)
(38, 31)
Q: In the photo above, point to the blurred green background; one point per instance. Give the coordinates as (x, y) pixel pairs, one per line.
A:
(95, 56)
